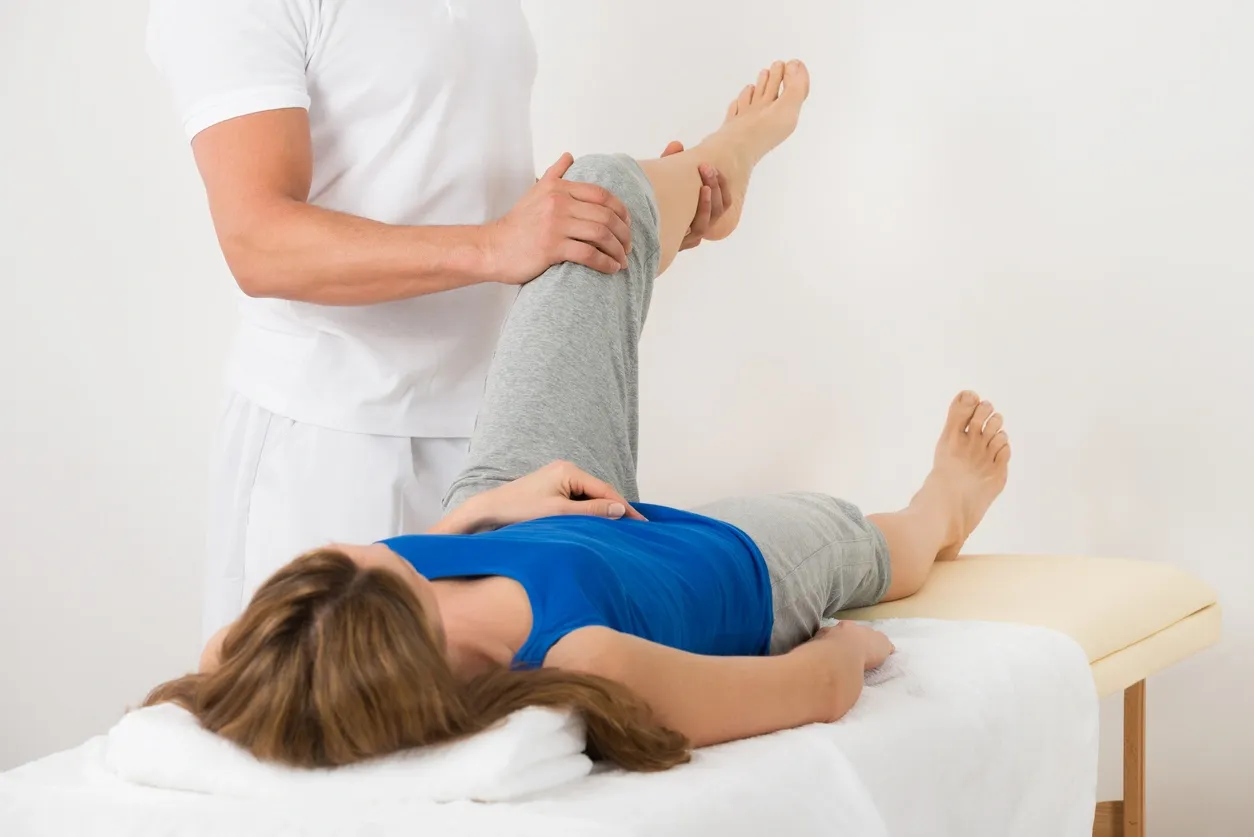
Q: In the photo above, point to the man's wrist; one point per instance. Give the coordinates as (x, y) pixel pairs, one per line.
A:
(481, 262)
(463, 251)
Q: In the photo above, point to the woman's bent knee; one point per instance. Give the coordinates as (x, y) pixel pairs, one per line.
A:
(622, 176)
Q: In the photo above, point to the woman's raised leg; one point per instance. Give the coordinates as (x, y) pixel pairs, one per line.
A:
(760, 118)
(564, 381)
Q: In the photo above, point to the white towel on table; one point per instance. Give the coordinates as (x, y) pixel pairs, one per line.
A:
(977, 730)
(534, 749)
(970, 730)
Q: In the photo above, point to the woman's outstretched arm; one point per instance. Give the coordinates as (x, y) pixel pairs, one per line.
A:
(715, 699)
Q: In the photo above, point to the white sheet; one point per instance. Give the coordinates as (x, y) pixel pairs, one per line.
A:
(972, 729)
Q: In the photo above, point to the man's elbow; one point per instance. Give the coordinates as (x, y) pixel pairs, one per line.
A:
(258, 247)
(254, 284)
(247, 262)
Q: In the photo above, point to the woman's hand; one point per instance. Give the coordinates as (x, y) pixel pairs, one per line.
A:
(835, 660)
(559, 221)
(558, 488)
(870, 643)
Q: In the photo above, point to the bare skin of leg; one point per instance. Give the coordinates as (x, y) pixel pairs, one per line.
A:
(763, 116)
(968, 473)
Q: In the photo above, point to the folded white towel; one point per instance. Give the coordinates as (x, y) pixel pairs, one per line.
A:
(532, 750)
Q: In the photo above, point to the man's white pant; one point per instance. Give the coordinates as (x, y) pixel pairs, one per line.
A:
(280, 487)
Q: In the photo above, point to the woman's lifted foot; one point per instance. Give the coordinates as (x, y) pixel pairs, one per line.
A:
(969, 470)
(761, 117)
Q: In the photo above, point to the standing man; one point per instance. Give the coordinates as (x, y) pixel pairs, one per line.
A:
(369, 170)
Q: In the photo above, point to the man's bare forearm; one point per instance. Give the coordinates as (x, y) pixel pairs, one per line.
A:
(293, 250)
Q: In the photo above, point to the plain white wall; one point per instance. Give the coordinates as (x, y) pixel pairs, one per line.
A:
(1050, 202)
(115, 315)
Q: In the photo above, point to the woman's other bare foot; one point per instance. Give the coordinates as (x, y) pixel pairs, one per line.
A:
(759, 119)
(969, 470)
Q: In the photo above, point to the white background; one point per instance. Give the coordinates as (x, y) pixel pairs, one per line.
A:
(1050, 202)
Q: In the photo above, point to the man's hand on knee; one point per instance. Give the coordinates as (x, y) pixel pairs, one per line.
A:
(559, 221)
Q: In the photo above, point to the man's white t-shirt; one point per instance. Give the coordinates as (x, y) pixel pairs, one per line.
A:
(419, 112)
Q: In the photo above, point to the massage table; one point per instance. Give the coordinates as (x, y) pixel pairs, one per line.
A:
(1132, 619)
(971, 728)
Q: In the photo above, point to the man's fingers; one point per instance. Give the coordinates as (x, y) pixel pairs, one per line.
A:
(585, 254)
(705, 203)
(711, 204)
(674, 148)
(558, 170)
(599, 236)
(604, 216)
(700, 221)
(722, 195)
(591, 193)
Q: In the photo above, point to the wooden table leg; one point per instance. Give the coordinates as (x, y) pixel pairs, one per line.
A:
(1134, 760)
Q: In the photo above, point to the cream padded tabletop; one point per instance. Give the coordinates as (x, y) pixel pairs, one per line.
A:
(1112, 607)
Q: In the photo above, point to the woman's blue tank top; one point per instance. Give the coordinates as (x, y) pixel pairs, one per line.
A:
(679, 579)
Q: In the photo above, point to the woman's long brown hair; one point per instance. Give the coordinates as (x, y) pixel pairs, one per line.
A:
(333, 664)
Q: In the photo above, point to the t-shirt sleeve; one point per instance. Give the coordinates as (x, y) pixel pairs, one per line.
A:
(227, 58)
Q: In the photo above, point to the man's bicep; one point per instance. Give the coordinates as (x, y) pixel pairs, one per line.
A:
(236, 72)
(255, 159)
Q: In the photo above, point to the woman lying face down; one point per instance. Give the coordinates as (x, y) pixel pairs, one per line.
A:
(549, 585)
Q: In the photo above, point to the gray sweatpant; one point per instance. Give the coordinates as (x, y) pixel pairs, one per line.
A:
(564, 385)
